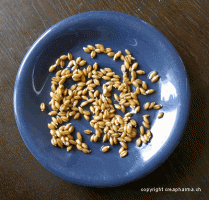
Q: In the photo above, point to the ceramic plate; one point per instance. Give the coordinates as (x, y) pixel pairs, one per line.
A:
(151, 50)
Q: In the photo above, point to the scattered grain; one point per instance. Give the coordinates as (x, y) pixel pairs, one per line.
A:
(93, 54)
(86, 49)
(152, 74)
(138, 142)
(157, 107)
(146, 125)
(105, 149)
(123, 153)
(42, 106)
(155, 79)
(160, 115)
(150, 91)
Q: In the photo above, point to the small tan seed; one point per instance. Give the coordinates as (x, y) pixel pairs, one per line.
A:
(139, 81)
(51, 126)
(146, 105)
(133, 122)
(95, 66)
(57, 62)
(123, 153)
(42, 106)
(142, 91)
(129, 114)
(96, 81)
(123, 109)
(151, 105)
(58, 73)
(160, 115)
(74, 68)
(86, 49)
(54, 142)
(137, 109)
(110, 73)
(146, 120)
(86, 112)
(105, 149)
(124, 145)
(59, 142)
(82, 63)
(86, 151)
(122, 101)
(85, 146)
(92, 138)
(127, 52)
(149, 134)
(100, 46)
(84, 97)
(91, 47)
(134, 66)
(52, 68)
(146, 125)
(63, 57)
(59, 120)
(71, 129)
(117, 106)
(107, 78)
(98, 50)
(108, 50)
(142, 130)
(79, 147)
(122, 57)
(144, 85)
(84, 103)
(80, 110)
(121, 150)
(146, 115)
(62, 63)
(152, 74)
(128, 59)
(69, 148)
(146, 138)
(70, 56)
(158, 106)
(87, 117)
(64, 119)
(77, 115)
(73, 142)
(150, 91)
(155, 79)
(96, 138)
(115, 140)
(111, 54)
(105, 138)
(138, 142)
(140, 72)
(111, 141)
(128, 139)
(78, 141)
(123, 68)
(79, 137)
(93, 54)
(87, 132)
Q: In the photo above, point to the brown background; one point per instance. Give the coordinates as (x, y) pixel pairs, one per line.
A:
(184, 23)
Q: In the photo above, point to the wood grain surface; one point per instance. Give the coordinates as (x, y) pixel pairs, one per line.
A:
(186, 25)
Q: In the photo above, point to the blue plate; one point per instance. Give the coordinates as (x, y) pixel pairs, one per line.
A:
(152, 51)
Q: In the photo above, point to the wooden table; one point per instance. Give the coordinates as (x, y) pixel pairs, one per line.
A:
(186, 25)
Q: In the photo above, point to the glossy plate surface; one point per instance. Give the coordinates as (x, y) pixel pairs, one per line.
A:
(151, 50)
